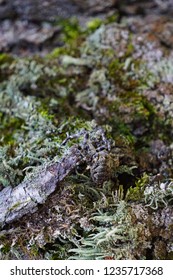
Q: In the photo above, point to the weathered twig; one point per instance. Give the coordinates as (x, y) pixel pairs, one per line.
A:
(24, 198)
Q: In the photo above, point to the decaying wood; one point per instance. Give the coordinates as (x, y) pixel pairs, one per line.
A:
(25, 198)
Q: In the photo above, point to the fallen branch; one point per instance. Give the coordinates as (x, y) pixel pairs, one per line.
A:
(25, 198)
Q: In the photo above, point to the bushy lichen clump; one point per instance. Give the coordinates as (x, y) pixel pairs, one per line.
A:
(113, 236)
(105, 75)
(124, 230)
(159, 194)
(31, 132)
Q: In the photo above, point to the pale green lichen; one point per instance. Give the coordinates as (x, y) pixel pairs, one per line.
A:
(159, 194)
(113, 236)
(45, 100)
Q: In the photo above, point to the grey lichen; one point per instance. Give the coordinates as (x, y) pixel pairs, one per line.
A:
(159, 194)
(96, 118)
(113, 236)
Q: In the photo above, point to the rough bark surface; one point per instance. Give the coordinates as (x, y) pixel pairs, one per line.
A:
(24, 198)
(37, 10)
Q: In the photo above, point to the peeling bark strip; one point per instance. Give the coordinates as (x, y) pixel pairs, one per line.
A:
(24, 198)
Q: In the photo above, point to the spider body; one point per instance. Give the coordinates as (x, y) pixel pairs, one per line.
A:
(102, 166)
(96, 151)
(101, 162)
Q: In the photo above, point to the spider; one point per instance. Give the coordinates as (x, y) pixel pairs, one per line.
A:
(96, 151)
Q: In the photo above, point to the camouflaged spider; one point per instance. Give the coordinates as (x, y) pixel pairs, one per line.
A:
(96, 151)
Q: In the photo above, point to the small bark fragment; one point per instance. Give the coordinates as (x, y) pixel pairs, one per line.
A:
(24, 198)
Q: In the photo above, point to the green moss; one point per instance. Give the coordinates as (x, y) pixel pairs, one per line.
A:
(5, 62)
(137, 193)
(57, 52)
(71, 29)
(112, 18)
(5, 249)
(115, 69)
(120, 72)
(120, 128)
(9, 126)
(94, 24)
(5, 58)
